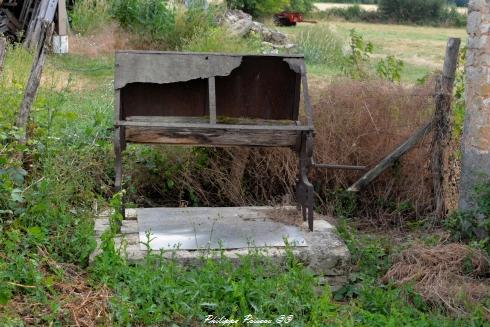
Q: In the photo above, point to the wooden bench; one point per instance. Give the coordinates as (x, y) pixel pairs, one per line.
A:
(213, 99)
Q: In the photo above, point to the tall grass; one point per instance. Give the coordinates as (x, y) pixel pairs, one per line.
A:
(320, 45)
(218, 39)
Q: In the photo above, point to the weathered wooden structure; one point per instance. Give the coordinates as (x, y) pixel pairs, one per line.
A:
(24, 18)
(210, 99)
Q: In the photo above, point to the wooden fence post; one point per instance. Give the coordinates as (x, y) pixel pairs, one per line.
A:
(3, 51)
(441, 125)
(34, 79)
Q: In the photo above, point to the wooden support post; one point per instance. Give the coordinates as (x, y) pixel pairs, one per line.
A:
(3, 51)
(390, 159)
(306, 96)
(119, 146)
(62, 18)
(212, 100)
(441, 126)
(34, 80)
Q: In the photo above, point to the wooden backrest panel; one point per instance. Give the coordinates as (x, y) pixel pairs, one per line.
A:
(171, 99)
(176, 84)
(261, 87)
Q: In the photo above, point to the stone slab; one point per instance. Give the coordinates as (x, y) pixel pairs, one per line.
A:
(213, 228)
(325, 254)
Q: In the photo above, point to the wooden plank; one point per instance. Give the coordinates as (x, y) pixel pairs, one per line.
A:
(306, 99)
(390, 159)
(36, 19)
(442, 126)
(3, 51)
(212, 136)
(211, 127)
(212, 100)
(62, 18)
(46, 14)
(205, 120)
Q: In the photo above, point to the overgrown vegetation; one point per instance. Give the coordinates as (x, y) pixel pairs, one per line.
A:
(47, 204)
(473, 226)
(89, 15)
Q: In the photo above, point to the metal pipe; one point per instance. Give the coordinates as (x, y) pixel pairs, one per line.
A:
(344, 167)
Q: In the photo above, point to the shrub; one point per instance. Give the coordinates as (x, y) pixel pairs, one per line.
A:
(258, 7)
(160, 26)
(303, 6)
(351, 13)
(416, 11)
(89, 15)
(148, 18)
(451, 17)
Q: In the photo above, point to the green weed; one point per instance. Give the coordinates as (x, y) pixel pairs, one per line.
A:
(390, 69)
(354, 64)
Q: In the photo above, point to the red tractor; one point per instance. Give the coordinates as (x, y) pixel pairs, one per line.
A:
(290, 18)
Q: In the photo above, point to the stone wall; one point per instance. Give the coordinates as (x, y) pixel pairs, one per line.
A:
(476, 133)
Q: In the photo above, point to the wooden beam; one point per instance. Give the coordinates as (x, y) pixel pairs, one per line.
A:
(62, 18)
(442, 126)
(212, 136)
(390, 159)
(205, 120)
(212, 100)
(209, 126)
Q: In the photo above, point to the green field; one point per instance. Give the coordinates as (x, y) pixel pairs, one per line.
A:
(420, 47)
